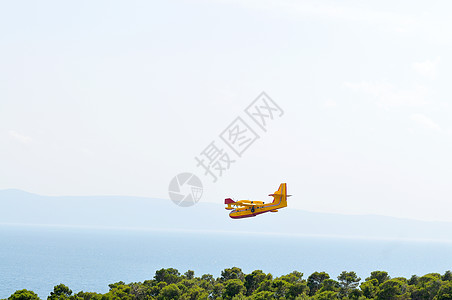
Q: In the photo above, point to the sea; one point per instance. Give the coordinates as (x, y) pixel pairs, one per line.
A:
(38, 258)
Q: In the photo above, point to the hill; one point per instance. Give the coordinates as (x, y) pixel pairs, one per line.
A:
(22, 208)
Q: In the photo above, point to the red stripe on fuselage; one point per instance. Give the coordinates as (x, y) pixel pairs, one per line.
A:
(248, 216)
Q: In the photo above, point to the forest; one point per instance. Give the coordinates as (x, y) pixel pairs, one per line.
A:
(234, 284)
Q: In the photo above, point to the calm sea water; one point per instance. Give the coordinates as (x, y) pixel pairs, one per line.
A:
(38, 258)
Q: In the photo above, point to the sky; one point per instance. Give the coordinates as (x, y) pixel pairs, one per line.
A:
(117, 98)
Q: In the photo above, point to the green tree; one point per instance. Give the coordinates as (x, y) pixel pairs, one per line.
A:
(239, 297)
(355, 294)
(413, 280)
(370, 288)
(445, 291)
(315, 280)
(427, 287)
(167, 275)
(138, 291)
(326, 295)
(297, 289)
(393, 289)
(169, 292)
(293, 277)
(233, 284)
(116, 284)
(429, 277)
(60, 292)
(195, 293)
(447, 276)
(233, 287)
(279, 287)
(303, 297)
(87, 296)
(208, 277)
(184, 285)
(380, 276)
(154, 290)
(265, 285)
(217, 291)
(263, 295)
(207, 282)
(190, 274)
(232, 273)
(347, 282)
(121, 291)
(329, 285)
(23, 295)
(253, 280)
(187, 283)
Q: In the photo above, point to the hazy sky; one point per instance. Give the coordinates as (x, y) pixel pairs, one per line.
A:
(116, 98)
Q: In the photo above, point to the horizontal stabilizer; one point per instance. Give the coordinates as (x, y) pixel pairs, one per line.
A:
(228, 201)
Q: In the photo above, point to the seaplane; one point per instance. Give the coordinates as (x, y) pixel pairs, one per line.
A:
(246, 208)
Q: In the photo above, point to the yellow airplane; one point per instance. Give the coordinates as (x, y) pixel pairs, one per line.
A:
(247, 208)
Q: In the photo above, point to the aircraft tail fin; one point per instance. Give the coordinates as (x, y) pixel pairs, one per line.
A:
(280, 196)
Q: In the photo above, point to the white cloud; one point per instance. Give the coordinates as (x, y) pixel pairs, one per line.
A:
(387, 95)
(425, 121)
(20, 137)
(428, 68)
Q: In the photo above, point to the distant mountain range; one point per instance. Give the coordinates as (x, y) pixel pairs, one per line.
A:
(21, 208)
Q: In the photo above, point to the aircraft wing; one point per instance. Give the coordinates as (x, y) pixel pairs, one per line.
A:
(240, 203)
(244, 204)
(248, 203)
